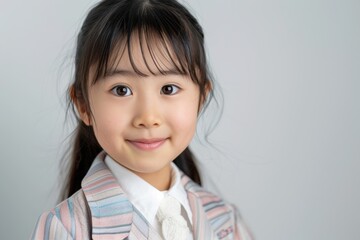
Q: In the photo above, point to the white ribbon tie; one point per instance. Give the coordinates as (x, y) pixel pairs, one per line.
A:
(173, 224)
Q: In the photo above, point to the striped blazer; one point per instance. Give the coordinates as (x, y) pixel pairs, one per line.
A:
(101, 210)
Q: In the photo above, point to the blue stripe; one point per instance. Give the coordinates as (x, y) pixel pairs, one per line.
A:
(125, 228)
(219, 220)
(214, 204)
(47, 226)
(57, 213)
(140, 222)
(117, 206)
(71, 210)
(190, 185)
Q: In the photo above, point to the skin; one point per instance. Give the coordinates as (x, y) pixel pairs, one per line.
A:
(143, 122)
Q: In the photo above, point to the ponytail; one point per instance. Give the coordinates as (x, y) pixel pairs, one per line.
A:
(85, 149)
(187, 163)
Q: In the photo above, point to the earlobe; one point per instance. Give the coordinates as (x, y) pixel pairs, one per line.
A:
(84, 116)
(80, 107)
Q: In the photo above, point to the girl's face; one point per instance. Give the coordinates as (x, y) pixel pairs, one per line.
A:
(144, 122)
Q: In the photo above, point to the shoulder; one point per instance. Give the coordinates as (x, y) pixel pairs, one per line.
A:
(68, 220)
(49, 225)
(241, 230)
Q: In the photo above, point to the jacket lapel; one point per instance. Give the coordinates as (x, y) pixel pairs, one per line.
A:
(201, 227)
(113, 216)
(210, 215)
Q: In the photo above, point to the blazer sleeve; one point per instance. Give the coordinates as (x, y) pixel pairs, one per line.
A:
(241, 231)
(49, 227)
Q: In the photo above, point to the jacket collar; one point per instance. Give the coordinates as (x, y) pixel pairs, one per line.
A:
(201, 201)
(113, 215)
(111, 212)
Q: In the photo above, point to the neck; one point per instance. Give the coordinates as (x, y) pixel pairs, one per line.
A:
(160, 180)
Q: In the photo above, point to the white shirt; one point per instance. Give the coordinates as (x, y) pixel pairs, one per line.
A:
(147, 198)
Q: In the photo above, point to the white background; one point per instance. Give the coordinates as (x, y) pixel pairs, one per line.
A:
(289, 139)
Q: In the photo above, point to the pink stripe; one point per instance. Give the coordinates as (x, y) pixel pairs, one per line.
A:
(94, 176)
(106, 187)
(65, 216)
(100, 181)
(204, 194)
(40, 228)
(78, 227)
(109, 236)
(213, 213)
(209, 199)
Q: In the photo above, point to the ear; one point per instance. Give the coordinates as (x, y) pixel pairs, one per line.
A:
(208, 89)
(80, 107)
(202, 100)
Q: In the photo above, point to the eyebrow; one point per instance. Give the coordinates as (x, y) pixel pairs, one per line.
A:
(124, 72)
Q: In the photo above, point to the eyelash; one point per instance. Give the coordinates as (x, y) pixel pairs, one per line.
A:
(128, 91)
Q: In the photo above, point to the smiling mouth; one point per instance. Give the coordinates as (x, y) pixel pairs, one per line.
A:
(147, 144)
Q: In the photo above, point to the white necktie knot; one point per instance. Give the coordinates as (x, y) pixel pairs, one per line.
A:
(173, 224)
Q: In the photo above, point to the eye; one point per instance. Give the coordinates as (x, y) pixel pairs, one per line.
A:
(121, 91)
(169, 89)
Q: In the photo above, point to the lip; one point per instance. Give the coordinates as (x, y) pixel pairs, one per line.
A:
(147, 144)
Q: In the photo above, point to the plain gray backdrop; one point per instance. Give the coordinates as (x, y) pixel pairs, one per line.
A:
(289, 139)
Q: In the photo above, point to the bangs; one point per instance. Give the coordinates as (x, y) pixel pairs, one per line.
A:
(165, 38)
(158, 55)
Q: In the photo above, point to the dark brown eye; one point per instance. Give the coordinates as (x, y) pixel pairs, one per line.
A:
(169, 89)
(121, 91)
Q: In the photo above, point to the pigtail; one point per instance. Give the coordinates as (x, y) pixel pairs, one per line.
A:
(84, 151)
(186, 161)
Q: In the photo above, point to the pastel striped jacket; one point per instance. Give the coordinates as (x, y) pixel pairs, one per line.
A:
(101, 210)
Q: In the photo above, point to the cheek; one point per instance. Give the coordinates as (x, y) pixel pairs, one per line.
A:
(108, 119)
(184, 120)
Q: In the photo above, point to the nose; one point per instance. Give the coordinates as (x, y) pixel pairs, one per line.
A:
(147, 114)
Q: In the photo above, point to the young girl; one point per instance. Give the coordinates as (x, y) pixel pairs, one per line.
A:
(141, 80)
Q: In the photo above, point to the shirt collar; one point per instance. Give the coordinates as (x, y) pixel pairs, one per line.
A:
(143, 195)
